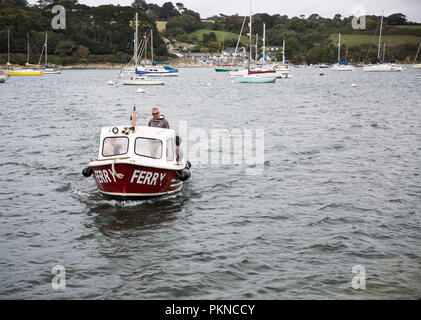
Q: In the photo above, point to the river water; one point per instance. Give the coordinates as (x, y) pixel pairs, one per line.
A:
(339, 190)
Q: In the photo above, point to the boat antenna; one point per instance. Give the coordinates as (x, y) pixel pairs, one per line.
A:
(134, 119)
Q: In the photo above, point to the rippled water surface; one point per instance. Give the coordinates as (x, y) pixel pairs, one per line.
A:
(341, 187)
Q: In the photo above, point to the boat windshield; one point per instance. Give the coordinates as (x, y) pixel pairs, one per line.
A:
(170, 150)
(114, 146)
(148, 147)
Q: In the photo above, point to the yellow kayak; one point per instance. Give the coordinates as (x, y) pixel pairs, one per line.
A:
(24, 72)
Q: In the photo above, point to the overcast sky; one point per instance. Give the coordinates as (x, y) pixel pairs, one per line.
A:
(325, 8)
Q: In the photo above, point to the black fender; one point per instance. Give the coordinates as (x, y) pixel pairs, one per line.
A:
(87, 172)
(184, 174)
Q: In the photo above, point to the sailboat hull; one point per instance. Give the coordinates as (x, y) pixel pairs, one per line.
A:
(382, 68)
(24, 73)
(254, 79)
(135, 81)
(225, 70)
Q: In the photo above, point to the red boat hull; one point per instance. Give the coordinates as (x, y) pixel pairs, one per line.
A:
(137, 181)
(261, 71)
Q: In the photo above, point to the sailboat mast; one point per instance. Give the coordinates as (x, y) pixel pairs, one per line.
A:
(257, 41)
(250, 32)
(384, 49)
(151, 45)
(339, 48)
(416, 56)
(380, 37)
(283, 51)
(46, 53)
(135, 42)
(146, 46)
(8, 46)
(27, 55)
(264, 42)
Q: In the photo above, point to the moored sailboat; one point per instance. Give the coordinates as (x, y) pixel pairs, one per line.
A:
(255, 76)
(47, 68)
(381, 65)
(154, 69)
(21, 71)
(129, 74)
(341, 66)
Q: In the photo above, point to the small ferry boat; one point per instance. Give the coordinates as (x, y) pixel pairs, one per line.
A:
(137, 162)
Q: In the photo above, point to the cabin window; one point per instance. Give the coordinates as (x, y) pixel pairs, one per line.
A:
(148, 147)
(170, 150)
(115, 146)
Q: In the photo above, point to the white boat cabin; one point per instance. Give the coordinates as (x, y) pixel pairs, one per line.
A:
(146, 146)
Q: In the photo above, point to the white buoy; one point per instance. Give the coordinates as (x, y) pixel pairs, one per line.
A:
(140, 90)
(110, 83)
(353, 85)
(209, 84)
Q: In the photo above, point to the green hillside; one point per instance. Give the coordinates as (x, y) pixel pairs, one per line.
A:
(409, 27)
(226, 35)
(364, 39)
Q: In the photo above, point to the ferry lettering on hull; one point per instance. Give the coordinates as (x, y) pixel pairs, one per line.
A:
(147, 177)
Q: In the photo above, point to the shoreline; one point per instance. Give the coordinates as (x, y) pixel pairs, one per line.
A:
(115, 66)
(110, 65)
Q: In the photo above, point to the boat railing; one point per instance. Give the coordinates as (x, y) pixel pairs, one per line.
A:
(108, 159)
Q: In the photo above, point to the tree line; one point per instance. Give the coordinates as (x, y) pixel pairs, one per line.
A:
(105, 33)
(92, 34)
(307, 38)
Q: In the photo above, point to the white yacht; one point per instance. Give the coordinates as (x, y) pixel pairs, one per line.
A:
(382, 66)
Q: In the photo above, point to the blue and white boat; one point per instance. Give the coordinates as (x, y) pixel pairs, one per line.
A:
(341, 66)
(131, 74)
(49, 69)
(156, 70)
